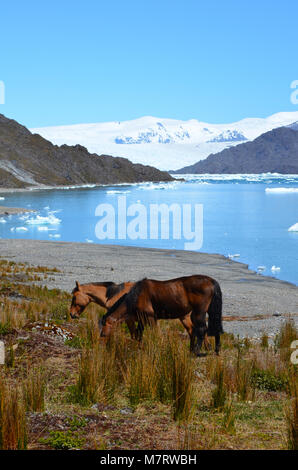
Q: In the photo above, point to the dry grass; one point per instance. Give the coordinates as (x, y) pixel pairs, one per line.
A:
(13, 427)
(291, 412)
(34, 388)
(130, 395)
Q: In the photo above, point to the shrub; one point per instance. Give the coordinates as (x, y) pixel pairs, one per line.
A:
(60, 311)
(268, 380)
(61, 440)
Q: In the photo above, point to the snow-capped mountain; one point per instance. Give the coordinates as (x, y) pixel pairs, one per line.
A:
(167, 144)
(294, 126)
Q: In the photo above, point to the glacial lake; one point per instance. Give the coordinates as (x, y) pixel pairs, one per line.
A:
(246, 217)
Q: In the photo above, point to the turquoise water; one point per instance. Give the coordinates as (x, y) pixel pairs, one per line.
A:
(245, 215)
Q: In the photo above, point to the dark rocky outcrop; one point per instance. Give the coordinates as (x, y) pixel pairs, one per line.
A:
(275, 152)
(28, 159)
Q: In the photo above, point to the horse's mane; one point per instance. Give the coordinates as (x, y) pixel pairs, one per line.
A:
(113, 308)
(133, 295)
(129, 298)
(114, 289)
(104, 284)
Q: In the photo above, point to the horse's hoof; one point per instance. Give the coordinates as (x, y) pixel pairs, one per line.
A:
(201, 354)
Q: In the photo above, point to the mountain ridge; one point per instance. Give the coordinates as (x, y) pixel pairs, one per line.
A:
(29, 160)
(275, 151)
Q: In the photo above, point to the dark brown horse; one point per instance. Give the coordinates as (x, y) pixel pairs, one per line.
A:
(150, 300)
(106, 294)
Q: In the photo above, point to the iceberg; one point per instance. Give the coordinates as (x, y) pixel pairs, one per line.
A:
(40, 220)
(293, 228)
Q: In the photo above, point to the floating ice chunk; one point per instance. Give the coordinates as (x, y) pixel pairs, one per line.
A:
(275, 269)
(51, 219)
(21, 229)
(2, 198)
(293, 228)
(261, 268)
(2, 220)
(117, 191)
(56, 235)
(89, 241)
(281, 190)
(234, 256)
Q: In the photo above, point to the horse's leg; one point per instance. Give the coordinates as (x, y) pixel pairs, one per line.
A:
(143, 320)
(217, 344)
(188, 325)
(140, 330)
(207, 343)
(132, 327)
(199, 321)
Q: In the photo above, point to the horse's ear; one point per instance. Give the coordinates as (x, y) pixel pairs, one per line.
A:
(78, 285)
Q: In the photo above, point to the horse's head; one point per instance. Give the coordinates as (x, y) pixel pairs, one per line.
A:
(105, 328)
(79, 302)
(114, 315)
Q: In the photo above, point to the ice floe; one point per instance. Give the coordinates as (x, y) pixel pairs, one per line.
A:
(51, 219)
(293, 228)
(281, 190)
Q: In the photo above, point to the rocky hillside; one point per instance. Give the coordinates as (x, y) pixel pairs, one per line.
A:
(275, 152)
(28, 159)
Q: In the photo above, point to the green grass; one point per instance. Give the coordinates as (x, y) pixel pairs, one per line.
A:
(63, 440)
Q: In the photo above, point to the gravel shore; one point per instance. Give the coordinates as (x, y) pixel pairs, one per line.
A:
(253, 303)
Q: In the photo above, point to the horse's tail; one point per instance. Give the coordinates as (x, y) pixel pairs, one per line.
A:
(215, 312)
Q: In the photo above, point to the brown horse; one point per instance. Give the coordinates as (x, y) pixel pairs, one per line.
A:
(150, 300)
(106, 294)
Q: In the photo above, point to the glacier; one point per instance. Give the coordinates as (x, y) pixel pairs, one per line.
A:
(167, 144)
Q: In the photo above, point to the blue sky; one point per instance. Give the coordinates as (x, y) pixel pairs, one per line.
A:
(69, 61)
